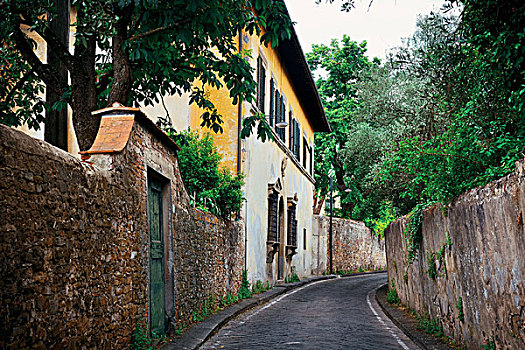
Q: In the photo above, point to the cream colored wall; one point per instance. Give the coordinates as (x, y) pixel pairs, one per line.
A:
(261, 162)
(178, 109)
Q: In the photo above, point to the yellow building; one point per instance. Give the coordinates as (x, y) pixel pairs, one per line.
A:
(279, 174)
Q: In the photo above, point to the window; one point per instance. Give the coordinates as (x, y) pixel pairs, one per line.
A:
(291, 130)
(295, 138)
(304, 239)
(272, 101)
(273, 203)
(291, 239)
(311, 161)
(297, 141)
(261, 84)
(280, 113)
(305, 153)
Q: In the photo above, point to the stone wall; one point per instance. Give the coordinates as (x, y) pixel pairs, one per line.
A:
(354, 246)
(74, 243)
(482, 243)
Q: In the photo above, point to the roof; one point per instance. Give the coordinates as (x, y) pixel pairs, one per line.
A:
(115, 129)
(294, 61)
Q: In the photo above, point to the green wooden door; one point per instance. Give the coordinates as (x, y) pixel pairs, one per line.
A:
(156, 297)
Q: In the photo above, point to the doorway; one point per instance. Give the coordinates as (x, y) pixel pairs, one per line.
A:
(156, 258)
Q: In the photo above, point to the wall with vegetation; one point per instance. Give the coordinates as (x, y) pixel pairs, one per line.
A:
(354, 245)
(467, 269)
(74, 244)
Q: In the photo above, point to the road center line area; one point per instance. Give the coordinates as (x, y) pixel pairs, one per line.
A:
(330, 314)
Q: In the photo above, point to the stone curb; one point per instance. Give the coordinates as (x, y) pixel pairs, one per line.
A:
(422, 340)
(199, 333)
(397, 322)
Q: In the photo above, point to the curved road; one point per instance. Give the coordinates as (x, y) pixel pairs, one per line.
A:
(330, 314)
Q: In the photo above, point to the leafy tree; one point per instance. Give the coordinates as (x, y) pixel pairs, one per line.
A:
(484, 134)
(345, 64)
(131, 51)
(214, 188)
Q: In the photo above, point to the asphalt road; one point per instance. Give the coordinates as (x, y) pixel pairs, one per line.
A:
(330, 314)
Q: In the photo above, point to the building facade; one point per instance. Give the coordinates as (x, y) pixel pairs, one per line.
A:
(279, 173)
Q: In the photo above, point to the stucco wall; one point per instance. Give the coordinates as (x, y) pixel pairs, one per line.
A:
(74, 244)
(484, 243)
(264, 163)
(354, 246)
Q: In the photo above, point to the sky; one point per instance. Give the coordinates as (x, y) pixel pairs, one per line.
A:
(383, 25)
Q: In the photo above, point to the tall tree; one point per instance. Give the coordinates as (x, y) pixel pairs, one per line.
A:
(130, 51)
(344, 65)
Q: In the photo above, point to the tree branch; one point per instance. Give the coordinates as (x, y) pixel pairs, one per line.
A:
(18, 85)
(158, 30)
(46, 72)
(53, 43)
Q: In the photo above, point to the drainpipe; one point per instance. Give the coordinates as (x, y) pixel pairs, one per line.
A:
(239, 118)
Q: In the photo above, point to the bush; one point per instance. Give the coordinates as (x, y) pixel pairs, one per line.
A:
(211, 187)
(391, 295)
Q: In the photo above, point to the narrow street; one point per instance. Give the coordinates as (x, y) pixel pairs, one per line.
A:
(329, 314)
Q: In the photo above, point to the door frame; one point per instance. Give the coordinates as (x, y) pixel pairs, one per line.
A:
(167, 236)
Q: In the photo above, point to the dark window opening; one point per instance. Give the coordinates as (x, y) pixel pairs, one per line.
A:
(273, 205)
(261, 84)
(292, 226)
(272, 101)
(304, 239)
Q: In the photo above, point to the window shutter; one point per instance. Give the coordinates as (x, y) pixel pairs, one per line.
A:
(297, 141)
(283, 118)
(263, 88)
(258, 81)
(272, 99)
(273, 205)
(290, 131)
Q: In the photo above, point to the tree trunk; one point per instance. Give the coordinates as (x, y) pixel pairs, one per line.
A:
(122, 74)
(84, 95)
(318, 204)
(55, 130)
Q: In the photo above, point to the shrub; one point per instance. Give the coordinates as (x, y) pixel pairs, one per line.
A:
(391, 295)
(212, 188)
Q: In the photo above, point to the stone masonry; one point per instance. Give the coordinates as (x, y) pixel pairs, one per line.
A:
(475, 246)
(354, 246)
(74, 243)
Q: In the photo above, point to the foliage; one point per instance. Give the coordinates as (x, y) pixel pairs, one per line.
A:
(293, 276)
(484, 134)
(414, 231)
(133, 52)
(141, 339)
(264, 131)
(429, 325)
(260, 287)
(491, 344)
(431, 260)
(443, 114)
(386, 214)
(245, 292)
(345, 63)
(215, 188)
(391, 295)
(459, 305)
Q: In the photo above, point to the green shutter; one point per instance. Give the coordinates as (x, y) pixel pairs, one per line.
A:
(272, 99)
